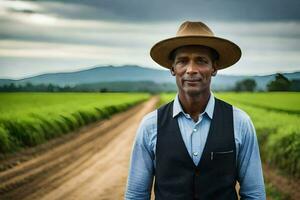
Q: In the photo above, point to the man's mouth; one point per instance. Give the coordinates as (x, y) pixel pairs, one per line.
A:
(193, 80)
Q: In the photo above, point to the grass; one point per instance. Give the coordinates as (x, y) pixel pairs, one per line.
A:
(274, 194)
(275, 101)
(29, 119)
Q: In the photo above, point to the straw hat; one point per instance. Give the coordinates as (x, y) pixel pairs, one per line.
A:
(196, 33)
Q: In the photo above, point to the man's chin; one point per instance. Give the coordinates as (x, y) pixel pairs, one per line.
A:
(194, 92)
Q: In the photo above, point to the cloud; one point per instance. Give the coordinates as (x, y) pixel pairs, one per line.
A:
(53, 33)
(155, 10)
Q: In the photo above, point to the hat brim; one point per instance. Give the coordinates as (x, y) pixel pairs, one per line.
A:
(229, 53)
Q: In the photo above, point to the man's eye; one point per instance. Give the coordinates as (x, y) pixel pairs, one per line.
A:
(202, 61)
(180, 62)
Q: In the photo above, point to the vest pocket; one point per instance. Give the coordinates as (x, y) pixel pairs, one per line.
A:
(223, 161)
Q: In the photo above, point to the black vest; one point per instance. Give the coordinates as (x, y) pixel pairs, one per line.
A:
(176, 175)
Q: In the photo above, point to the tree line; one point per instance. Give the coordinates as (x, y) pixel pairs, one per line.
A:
(281, 83)
(29, 87)
(123, 86)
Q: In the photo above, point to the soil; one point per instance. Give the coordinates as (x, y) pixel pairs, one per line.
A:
(92, 164)
(284, 184)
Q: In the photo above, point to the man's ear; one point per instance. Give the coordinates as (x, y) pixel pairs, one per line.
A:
(172, 71)
(214, 72)
(215, 64)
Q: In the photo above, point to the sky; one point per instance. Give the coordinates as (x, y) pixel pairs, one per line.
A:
(41, 36)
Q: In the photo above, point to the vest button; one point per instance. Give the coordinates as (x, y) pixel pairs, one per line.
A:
(197, 172)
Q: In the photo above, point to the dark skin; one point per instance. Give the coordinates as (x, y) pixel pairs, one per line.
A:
(193, 67)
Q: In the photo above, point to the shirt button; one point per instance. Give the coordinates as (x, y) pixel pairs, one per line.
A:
(194, 130)
(195, 153)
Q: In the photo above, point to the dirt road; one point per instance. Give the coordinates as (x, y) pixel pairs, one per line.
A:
(93, 165)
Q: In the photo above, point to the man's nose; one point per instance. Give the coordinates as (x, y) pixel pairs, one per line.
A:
(191, 68)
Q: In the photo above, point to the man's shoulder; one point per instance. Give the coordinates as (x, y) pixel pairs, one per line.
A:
(243, 125)
(148, 127)
(165, 105)
(240, 114)
(149, 120)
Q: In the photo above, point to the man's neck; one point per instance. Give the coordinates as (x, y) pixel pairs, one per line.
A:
(194, 105)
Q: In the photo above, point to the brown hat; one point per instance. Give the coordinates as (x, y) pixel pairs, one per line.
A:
(196, 33)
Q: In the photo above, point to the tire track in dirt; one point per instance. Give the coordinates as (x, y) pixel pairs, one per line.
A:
(92, 166)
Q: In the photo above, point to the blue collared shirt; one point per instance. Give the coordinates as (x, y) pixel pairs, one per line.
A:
(194, 134)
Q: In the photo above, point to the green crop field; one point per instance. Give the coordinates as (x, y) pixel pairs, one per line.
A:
(29, 119)
(288, 102)
(277, 121)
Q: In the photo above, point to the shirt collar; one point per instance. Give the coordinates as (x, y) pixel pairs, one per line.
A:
(209, 110)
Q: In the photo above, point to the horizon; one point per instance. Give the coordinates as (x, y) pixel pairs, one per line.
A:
(39, 37)
(95, 67)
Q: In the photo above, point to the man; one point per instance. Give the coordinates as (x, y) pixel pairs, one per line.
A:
(197, 146)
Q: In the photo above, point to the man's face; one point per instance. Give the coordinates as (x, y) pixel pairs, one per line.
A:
(193, 68)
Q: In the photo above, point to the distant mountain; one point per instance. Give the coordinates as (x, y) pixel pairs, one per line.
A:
(6, 81)
(132, 73)
(99, 74)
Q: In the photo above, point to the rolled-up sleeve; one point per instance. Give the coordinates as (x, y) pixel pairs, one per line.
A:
(141, 170)
(250, 175)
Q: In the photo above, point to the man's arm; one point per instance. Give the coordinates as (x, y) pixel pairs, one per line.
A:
(250, 174)
(141, 169)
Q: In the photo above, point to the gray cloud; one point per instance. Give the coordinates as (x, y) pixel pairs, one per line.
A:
(55, 35)
(172, 10)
